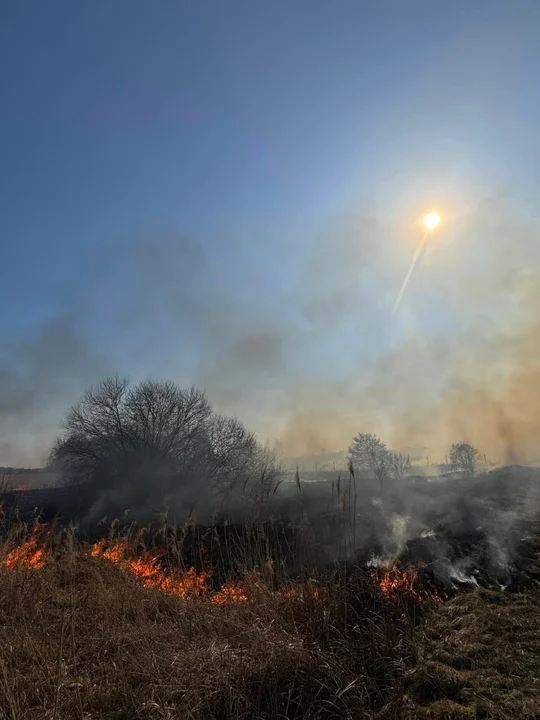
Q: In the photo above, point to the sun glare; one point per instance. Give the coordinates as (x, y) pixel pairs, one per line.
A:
(431, 220)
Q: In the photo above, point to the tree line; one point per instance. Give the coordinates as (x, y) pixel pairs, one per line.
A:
(369, 453)
(155, 439)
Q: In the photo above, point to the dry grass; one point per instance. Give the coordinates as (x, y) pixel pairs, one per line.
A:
(80, 638)
(479, 658)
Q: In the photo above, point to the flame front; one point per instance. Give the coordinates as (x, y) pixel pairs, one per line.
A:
(114, 553)
(30, 554)
(394, 582)
(191, 584)
(187, 585)
(230, 593)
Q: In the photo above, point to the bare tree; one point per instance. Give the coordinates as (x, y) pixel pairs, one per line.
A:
(370, 453)
(464, 456)
(399, 465)
(153, 441)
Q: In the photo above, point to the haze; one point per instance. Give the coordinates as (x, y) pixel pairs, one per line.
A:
(230, 194)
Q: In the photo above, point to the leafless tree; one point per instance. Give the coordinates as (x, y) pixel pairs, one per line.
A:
(154, 440)
(464, 456)
(370, 453)
(399, 465)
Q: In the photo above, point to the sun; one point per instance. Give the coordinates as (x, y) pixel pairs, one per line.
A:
(431, 220)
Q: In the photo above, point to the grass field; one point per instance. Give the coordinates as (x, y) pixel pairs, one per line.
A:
(104, 631)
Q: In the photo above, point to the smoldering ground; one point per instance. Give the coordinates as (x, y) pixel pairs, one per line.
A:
(462, 530)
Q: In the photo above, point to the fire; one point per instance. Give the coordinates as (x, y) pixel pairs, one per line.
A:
(239, 593)
(192, 584)
(31, 554)
(114, 553)
(230, 593)
(186, 585)
(189, 584)
(394, 582)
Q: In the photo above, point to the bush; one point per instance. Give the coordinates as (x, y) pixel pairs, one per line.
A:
(157, 443)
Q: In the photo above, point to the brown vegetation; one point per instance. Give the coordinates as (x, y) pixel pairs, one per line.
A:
(82, 638)
(96, 632)
(479, 657)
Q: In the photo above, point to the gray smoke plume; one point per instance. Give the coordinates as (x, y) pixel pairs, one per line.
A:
(39, 378)
(321, 360)
(463, 530)
(315, 361)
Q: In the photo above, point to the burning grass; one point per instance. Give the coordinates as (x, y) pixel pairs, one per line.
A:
(395, 582)
(111, 630)
(93, 632)
(32, 553)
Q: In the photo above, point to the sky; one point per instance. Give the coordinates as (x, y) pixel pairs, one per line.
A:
(229, 194)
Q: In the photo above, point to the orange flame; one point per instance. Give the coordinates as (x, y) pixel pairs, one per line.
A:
(186, 585)
(394, 582)
(30, 554)
(230, 593)
(115, 552)
(189, 584)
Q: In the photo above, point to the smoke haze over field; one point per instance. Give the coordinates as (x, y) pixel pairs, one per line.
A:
(324, 361)
(236, 205)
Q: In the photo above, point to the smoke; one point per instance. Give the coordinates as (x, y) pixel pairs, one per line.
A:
(463, 361)
(313, 356)
(40, 377)
(300, 344)
(464, 530)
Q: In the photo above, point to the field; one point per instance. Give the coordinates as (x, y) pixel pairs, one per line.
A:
(479, 657)
(18, 479)
(117, 630)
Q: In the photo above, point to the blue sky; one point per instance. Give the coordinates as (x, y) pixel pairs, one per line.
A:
(227, 193)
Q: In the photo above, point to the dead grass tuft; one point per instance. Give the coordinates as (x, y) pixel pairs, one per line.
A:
(481, 654)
